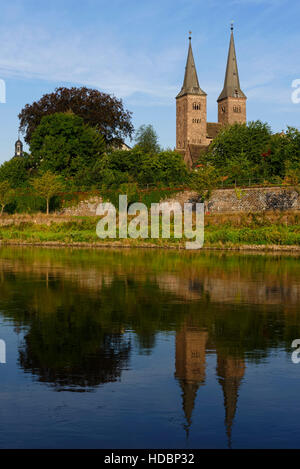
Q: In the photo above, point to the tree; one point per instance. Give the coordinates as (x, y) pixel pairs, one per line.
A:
(6, 195)
(47, 186)
(120, 167)
(147, 140)
(203, 180)
(16, 171)
(238, 150)
(99, 110)
(64, 145)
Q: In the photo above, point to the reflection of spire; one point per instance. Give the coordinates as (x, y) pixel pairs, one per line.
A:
(189, 394)
(230, 371)
(190, 366)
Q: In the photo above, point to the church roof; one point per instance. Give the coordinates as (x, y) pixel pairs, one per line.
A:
(190, 83)
(212, 129)
(194, 152)
(232, 87)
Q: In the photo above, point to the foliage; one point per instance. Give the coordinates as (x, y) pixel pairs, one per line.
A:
(204, 180)
(250, 151)
(16, 171)
(165, 168)
(147, 140)
(6, 195)
(292, 176)
(237, 150)
(250, 232)
(98, 110)
(64, 145)
(47, 186)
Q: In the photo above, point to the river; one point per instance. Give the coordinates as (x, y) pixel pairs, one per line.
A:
(148, 349)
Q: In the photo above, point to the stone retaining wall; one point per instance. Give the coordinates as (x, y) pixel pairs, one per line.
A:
(246, 200)
(85, 208)
(221, 201)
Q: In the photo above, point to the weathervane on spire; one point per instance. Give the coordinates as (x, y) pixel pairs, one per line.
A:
(190, 35)
(232, 22)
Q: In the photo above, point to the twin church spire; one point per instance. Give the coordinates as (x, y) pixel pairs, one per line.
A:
(191, 82)
(232, 86)
(192, 128)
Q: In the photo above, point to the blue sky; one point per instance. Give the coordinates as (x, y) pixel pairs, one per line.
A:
(137, 51)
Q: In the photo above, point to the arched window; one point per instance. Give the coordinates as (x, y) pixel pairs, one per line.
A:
(237, 109)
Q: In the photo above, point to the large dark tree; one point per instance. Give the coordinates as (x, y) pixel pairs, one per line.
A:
(99, 110)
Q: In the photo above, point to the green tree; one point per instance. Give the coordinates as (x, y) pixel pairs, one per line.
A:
(16, 171)
(147, 140)
(119, 167)
(6, 195)
(98, 110)
(241, 146)
(64, 145)
(204, 180)
(47, 186)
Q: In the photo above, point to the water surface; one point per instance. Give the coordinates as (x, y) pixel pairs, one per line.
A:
(148, 349)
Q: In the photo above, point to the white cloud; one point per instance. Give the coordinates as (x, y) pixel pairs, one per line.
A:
(33, 52)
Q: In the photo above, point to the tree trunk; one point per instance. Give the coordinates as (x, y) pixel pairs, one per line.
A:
(2, 209)
(47, 206)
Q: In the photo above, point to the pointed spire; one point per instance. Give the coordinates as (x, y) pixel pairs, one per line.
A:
(232, 87)
(231, 372)
(191, 83)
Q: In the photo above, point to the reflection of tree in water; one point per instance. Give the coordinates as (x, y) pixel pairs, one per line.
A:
(75, 338)
(76, 362)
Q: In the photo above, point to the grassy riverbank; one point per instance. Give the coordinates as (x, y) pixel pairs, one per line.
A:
(232, 231)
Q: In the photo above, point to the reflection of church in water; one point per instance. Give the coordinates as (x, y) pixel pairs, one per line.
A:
(191, 346)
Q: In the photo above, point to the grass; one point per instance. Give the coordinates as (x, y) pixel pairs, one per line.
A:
(221, 231)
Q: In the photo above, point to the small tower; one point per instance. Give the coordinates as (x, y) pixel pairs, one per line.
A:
(190, 108)
(19, 148)
(232, 101)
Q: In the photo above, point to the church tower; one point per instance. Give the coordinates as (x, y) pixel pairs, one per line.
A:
(190, 108)
(232, 100)
(19, 148)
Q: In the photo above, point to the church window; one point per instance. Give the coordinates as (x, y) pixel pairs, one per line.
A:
(196, 106)
(237, 109)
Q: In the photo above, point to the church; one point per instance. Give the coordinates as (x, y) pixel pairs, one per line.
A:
(193, 133)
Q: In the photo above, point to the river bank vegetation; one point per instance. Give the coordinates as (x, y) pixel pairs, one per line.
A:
(221, 231)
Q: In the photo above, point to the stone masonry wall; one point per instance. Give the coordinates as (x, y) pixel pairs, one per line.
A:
(221, 201)
(246, 200)
(85, 208)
